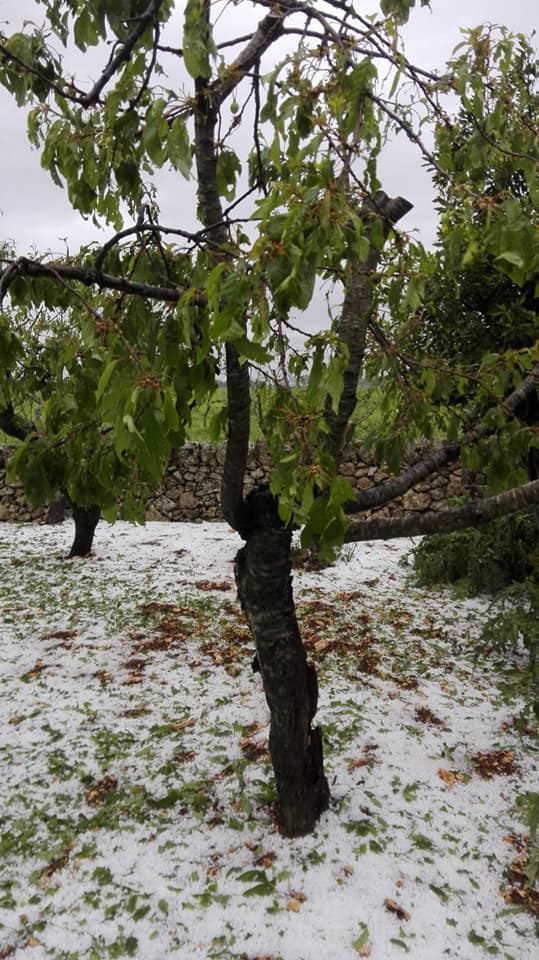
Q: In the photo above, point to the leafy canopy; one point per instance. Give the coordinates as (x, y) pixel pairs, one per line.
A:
(279, 132)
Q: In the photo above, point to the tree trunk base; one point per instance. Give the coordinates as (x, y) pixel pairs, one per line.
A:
(85, 520)
(263, 577)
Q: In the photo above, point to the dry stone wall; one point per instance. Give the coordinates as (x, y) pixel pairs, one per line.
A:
(191, 486)
(13, 503)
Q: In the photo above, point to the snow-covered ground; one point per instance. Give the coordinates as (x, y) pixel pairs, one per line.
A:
(137, 792)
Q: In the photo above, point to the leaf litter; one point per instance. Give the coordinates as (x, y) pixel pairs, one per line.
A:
(138, 808)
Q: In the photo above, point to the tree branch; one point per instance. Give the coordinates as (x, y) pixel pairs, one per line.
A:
(268, 30)
(396, 486)
(89, 277)
(211, 214)
(479, 511)
(123, 55)
(13, 425)
(354, 320)
(74, 94)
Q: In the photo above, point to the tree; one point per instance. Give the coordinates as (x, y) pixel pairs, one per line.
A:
(50, 384)
(477, 302)
(281, 129)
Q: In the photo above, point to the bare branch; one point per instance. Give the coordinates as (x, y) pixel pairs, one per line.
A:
(477, 512)
(89, 277)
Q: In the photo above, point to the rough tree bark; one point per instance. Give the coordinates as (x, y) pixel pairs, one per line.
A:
(472, 514)
(263, 577)
(263, 564)
(352, 325)
(85, 520)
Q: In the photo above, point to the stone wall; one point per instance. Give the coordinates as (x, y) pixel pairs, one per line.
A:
(190, 488)
(13, 504)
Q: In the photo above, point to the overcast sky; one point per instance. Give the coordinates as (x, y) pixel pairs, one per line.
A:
(35, 214)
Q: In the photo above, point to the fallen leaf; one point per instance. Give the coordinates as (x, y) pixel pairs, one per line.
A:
(132, 679)
(212, 585)
(38, 668)
(101, 789)
(424, 715)
(397, 909)
(60, 635)
(321, 645)
(495, 763)
(184, 756)
(297, 895)
(103, 676)
(266, 860)
(448, 777)
(293, 906)
(182, 724)
(360, 762)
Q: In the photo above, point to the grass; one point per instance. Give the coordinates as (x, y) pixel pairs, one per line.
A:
(366, 415)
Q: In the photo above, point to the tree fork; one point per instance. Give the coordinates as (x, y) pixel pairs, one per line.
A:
(264, 581)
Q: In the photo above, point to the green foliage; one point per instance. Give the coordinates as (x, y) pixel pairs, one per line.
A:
(197, 43)
(528, 803)
(516, 625)
(131, 373)
(483, 560)
(110, 385)
(400, 9)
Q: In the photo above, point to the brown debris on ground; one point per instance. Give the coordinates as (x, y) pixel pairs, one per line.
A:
(519, 891)
(495, 763)
(425, 715)
(101, 789)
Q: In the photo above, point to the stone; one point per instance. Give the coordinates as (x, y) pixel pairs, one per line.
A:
(191, 486)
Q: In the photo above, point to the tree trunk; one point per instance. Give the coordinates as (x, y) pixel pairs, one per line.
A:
(57, 509)
(263, 577)
(85, 520)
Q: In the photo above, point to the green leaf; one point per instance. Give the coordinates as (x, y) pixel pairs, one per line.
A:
(197, 43)
(178, 148)
(155, 133)
(362, 939)
(228, 169)
(264, 889)
(104, 379)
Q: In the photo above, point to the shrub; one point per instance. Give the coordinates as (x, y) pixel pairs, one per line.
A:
(482, 560)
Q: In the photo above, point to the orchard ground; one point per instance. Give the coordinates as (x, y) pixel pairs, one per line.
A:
(137, 791)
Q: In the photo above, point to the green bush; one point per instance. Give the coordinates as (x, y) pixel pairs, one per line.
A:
(482, 560)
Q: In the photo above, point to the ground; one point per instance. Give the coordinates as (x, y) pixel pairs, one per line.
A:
(137, 800)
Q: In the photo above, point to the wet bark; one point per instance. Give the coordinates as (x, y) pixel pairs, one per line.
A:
(263, 564)
(524, 497)
(85, 520)
(528, 413)
(263, 577)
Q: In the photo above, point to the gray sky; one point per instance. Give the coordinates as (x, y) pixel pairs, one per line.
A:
(36, 213)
